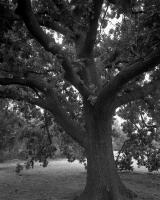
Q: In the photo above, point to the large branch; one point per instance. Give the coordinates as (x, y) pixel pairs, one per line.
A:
(138, 93)
(92, 31)
(24, 9)
(70, 126)
(126, 75)
(33, 83)
(51, 103)
(15, 95)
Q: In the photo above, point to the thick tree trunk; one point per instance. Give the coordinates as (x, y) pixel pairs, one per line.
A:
(103, 181)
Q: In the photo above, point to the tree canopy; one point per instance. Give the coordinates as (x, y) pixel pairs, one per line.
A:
(57, 54)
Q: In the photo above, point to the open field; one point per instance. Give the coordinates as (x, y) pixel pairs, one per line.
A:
(63, 181)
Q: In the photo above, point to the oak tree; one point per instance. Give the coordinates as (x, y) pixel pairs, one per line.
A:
(57, 55)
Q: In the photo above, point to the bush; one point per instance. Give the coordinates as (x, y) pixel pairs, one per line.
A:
(124, 162)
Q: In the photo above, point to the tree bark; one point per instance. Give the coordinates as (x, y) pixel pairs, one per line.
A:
(103, 181)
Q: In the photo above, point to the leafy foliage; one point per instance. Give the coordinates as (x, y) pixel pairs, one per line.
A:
(10, 126)
(57, 55)
(142, 129)
(125, 162)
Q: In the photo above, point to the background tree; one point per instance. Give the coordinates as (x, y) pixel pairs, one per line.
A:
(82, 78)
(25, 133)
(141, 126)
(9, 129)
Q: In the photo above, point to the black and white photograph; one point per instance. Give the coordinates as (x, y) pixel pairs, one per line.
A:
(79, 99)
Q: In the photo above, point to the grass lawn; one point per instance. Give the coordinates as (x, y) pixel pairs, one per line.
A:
(63, 181)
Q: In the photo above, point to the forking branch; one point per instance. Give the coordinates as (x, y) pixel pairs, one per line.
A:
(126, 75)
(24, 9)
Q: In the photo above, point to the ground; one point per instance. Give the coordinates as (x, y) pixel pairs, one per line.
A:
(63, 181)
